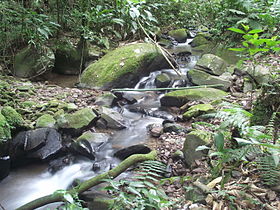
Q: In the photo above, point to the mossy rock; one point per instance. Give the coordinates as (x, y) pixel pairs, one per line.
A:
(180, 97)
(13, 118)
(5, 131)
(162, 80)
(30, 62)
(76, 120)
(197, 110)
(68, 57)
(193, 140)
(123, 67)
(212, 64)
(45, 121)
(202, 78)
(199, 40)
(179, 34)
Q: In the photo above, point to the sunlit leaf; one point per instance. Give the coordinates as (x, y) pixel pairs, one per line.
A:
(237, 30)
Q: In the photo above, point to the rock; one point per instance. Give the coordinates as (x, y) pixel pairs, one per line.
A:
(173, 127)
(5, 131)
(155, 130)
(181, 97)
(128, 151)
(113, 119)
(193, 140)
(40, 143)
(13, 118)
(77, 120)
(197, 110)
(261, 74)
(60, 163)
(180, 35)
(202, 78)
(45, 121)
(212, 64)
(200, 39)
(30, 63)
(68, 57)
(5, 163)
(105, 100)
(123, 67)
(71, 107)
(162, 80)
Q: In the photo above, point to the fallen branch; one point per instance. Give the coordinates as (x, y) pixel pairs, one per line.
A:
(162, 89)
(58, 197)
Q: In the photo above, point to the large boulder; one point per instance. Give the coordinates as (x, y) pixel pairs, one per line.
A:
(31, 62)
(193, 140)
(202, 78)
(45, 121)
(123, 67)
(68, 57)
(40, 143)
(212, 64)
(181, 97)
(77, 120)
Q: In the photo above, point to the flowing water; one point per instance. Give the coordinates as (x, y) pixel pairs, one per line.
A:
(30, 182)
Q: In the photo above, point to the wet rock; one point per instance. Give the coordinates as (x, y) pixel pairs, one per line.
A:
(202, 78)
(155, 130)
(180, 35)
(105, 100)
(45, 121)
(173, 127)
(212, 64)
(77, 120)
(5, 163)
(30, 62)
(60, 163)
(113, 119)
(181, 97)
(128, 151)
(123, 66)
(40, 143)
(193, 140)
(103, 165)
(162, 80)
(200, 39)
(261, 74)
(197, 110)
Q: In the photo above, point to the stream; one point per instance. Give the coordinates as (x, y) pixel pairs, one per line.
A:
(27, 183)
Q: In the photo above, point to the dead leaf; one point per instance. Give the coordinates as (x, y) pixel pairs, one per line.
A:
(214, 182)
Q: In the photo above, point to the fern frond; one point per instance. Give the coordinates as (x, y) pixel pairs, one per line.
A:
(270, 173)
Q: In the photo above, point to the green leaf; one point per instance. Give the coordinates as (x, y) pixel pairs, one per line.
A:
(203, 147)
(237, 30)
(68, 197)
(245, 44)
(134, 191)
(237, 49)
(255, 31)
(219, 141)
(246, 27)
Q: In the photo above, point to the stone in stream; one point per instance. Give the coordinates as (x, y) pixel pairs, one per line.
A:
(89, 143)
(113, 118)
(105, 100)
(197, 110)
(123, 67)
(180, 97)
(198, 77)
(173, 127)
(128, 151)
(5, 163)
(162, 80)
(40, 143)
(180, 35)
(155, 129)
(59, 163)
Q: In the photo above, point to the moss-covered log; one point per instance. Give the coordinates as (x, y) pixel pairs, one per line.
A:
(91, 182)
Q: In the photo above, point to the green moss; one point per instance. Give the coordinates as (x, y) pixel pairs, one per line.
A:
(28, 104)
(13, 118)
(5, 131)
(179, 34)
(123, 60)
(198, 94)
(197, 110)
(45, 121)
